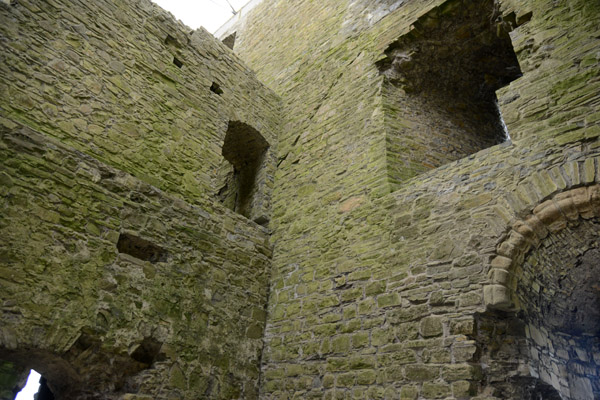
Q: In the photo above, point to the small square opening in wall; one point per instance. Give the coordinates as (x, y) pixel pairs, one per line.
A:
(215, 88)
(140, 248)
(177, 62)
(171, 41)
(229, 41)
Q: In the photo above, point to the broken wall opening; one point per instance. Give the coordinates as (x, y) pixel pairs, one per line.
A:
(439, 86)
(241, 176)
(21, 383)
(85, 371)
(56, 377)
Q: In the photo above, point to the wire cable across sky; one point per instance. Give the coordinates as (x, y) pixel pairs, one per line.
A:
(210, 14)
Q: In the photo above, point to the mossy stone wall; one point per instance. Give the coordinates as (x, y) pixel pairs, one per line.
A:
(100, 77)
(104, 139)
(366, 288)
(381, 295)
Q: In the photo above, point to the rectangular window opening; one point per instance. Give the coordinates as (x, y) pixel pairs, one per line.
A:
(141, 248)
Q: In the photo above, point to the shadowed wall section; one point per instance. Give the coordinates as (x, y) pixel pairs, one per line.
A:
(440, 82)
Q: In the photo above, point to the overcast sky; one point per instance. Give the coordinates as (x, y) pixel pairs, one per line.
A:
(210, 14)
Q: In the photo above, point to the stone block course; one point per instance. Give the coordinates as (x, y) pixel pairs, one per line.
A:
(389, 269)
(482, 195)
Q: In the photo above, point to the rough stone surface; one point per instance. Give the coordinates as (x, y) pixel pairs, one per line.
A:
(390, 263)
(121, 274)
(381, 275)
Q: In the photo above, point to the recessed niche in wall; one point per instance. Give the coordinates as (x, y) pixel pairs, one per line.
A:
(242, 175)
(229, 41)
(171, 41)
(140, 248)
(440, 82)
(178, 63)
(148, 351)
(215, 88)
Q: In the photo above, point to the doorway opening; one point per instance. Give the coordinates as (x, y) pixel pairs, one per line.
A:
(36, 388)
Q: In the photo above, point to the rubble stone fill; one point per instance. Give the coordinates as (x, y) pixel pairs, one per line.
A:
(321, 203)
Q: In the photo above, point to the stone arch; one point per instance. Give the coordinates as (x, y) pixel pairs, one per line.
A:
(85, 370)
(544, 280)
(550, 216)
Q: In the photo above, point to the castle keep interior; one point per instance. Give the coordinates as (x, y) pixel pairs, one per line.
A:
(334, 199)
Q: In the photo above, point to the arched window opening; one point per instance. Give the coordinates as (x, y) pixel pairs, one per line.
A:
(440, 82)
(241, 177)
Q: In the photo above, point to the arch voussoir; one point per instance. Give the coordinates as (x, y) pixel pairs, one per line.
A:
(550, 216)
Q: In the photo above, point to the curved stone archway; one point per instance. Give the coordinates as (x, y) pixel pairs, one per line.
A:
(544, 278)
(551, 216)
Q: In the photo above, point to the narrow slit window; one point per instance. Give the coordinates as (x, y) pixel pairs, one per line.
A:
(178, 63)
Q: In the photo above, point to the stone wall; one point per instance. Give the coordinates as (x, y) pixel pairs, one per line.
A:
(101, 77)
(387, 281)
(94, 320)
(122, 275)
(378, 295)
